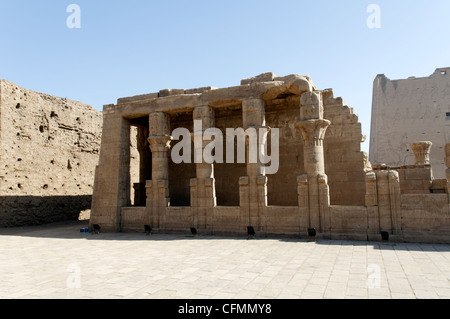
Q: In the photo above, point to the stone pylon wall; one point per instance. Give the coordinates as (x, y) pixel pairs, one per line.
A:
(405, 111)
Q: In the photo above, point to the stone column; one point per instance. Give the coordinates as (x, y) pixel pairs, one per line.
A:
(394, 193)
(324, 203)
(255, 183)
(313, 127)
(372, 206)
(158, 188)
(384, 202)
(303, 202)
(388, 194)
(422, 152)
(203, 190)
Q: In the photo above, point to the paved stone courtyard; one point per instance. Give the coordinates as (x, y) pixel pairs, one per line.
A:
(57, 262)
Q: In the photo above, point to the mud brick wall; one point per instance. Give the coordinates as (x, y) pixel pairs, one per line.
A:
(49, 151)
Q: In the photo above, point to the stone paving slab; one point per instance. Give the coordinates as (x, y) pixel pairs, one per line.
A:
(58, 262)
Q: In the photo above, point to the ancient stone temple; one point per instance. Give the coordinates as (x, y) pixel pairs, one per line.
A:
(323, 184)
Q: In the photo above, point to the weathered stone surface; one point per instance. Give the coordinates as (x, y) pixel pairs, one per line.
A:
(265, 77)
(138, 98)
(410, 110)
(170, 92)
(422, 152)
(49, 151)
(200, 90)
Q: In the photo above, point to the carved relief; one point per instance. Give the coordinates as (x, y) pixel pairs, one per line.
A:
(159, 124)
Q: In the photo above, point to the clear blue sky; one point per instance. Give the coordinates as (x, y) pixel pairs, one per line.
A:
(124, 48)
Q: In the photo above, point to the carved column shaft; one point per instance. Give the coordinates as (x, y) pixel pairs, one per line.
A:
(313, 128)
(203, 190)
(388, 194)
(158, 187)
(160, 146)
(313, 133)
(371, 201)
(253, 117)
(303, 201)
(206, 115)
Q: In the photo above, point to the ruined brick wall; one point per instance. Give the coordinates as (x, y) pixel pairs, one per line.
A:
(49, 151)
(345, 163)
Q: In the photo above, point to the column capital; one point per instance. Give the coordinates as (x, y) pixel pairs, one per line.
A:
(422, 152)
(313, 131)
(160, 143)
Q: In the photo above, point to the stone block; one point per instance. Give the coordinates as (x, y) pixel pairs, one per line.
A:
(159, 124)
(138, 98)
(170, 92)
(311, 106)
(200, 90)
(265, 77)
(418, 173)
(253, 112)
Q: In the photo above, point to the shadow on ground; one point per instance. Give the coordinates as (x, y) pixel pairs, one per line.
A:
(71, 231)
(39, 210)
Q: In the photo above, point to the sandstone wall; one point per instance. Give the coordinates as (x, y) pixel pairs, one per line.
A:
(49, 151)
(345, 163)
